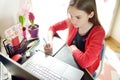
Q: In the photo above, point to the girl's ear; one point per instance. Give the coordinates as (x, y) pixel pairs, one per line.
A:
(91, 14)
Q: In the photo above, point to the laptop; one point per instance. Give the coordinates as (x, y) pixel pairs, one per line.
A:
(45, 67)
(31, 69)
(66, 56)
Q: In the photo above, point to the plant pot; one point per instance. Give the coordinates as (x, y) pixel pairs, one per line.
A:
(34, 31)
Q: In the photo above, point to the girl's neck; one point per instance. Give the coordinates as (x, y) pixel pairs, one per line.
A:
(85, 29)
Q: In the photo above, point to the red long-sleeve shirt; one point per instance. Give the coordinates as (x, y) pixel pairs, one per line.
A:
(91, 57)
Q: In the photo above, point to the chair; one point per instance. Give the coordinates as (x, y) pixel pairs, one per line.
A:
(98, 71)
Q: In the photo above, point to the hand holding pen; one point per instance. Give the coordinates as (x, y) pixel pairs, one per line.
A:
(47, 47)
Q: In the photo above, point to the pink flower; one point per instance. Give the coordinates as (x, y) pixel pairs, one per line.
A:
(31, 18)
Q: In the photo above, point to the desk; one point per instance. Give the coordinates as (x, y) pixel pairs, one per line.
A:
(63, 49)
(4, 74)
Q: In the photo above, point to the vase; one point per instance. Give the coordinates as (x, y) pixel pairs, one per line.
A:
(34, 31)
(24, 34)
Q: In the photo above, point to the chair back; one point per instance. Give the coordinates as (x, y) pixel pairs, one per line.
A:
(98, 71)
(102, 51)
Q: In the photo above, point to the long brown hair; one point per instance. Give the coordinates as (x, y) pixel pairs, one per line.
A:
(88, 6)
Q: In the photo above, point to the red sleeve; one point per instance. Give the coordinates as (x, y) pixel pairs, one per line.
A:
(59, 26)
(93, 48)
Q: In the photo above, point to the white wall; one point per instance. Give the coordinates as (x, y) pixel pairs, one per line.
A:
(106, 13)
(48, 13)
(9, 11)
(115, 32)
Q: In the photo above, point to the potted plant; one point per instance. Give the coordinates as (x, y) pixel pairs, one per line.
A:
(33, 28)
(22, 22)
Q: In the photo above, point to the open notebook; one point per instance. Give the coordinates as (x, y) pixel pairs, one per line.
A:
(58, 44)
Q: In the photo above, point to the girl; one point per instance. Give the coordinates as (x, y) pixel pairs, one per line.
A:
(85, 33)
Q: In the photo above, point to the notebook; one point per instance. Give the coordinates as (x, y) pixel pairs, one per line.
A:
(53, 65)
(57, 45)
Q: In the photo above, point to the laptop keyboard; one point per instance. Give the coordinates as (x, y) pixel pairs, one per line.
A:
(43, 72)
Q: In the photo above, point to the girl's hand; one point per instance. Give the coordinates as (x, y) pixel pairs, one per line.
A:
(73, 47)
(48, 48)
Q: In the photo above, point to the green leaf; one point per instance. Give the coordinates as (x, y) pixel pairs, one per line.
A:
(22, 20)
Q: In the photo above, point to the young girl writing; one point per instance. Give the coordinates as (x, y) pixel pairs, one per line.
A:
(85, 33)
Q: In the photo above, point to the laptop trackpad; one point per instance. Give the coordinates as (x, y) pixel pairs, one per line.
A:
(65, 70)
(74, 72)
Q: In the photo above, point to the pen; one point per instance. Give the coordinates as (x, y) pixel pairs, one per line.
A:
(46, 42)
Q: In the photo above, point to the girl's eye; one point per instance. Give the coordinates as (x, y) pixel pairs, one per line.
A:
(77, 17)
